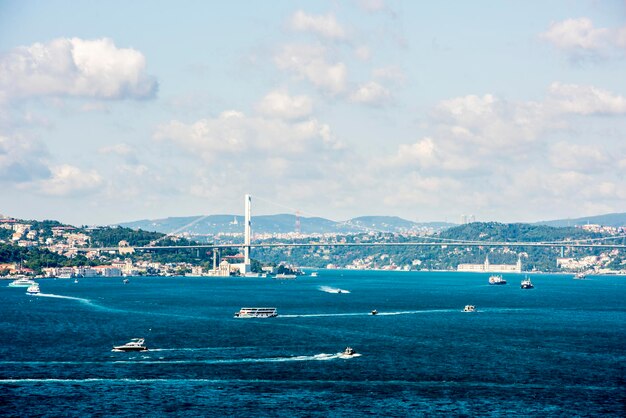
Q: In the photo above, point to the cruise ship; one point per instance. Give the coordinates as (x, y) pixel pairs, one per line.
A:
(256, 313)
(496, 279)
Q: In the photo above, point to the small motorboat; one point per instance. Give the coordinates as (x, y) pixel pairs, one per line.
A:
(496, 280)
(469, 308)
(526, 284)
(75, 280)
(349, 351)
(125, 281)
(136, 344)
(374, 312)
(33, 289)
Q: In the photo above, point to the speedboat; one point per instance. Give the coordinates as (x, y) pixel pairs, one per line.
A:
(580, 276)
(469, 308)
(136, 344)
(349, 351)
(374, 312)
(496, 279)
(22, 282)
(125, 281)
(314, 274)
(526, 284)
(33, 289)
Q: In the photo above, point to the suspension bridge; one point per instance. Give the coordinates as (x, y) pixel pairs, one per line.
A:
(422, 241)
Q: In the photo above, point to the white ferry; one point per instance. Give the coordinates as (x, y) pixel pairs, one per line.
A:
(285, 276)
(495, 279)
(136, 344)
(256, 313)
(22, 282)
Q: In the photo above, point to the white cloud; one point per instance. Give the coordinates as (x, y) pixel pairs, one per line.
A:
(391, 73)
(362, 52)
(117, 149)
(68, 180)
(233, 135)
(22, 160)
(578, 158)
(585, 100)
(311, 63)
(371, 93)
(279, 104)
(326, 26)
(372, 5)
(75, 67)
(573, 34)
(579, 38)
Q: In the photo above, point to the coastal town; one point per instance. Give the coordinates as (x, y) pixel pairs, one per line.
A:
(70, 242)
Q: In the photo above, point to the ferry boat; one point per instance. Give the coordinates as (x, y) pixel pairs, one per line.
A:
(256, 313)
(469, 308)
(136, 344)
(22, 282)
(496, 279)
(33, 289)
(349, 351)
(285, 276)
(526, 284)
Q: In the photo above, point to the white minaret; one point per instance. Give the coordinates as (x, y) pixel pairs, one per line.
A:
(248, 227)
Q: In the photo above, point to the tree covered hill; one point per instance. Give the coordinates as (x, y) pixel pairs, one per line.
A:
(494, 231)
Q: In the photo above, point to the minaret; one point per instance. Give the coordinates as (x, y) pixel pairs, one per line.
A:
(246, 248)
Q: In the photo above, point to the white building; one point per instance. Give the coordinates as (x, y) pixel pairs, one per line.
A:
(487, 267)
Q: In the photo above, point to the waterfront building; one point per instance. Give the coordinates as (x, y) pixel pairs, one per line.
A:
(487, 267)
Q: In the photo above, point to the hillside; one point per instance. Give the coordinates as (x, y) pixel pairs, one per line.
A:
(281, 224)
(494, 231)
(609, 219)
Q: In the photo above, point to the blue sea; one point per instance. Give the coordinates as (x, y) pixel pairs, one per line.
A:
(556, 350)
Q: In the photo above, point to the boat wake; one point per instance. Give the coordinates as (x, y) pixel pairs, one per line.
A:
(316, 315)
(51, 295)
(329, 289)
(316, 357)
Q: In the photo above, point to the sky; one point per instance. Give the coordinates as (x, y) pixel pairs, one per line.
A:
(116, 111)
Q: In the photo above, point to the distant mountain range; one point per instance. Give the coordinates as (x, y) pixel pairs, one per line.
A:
(283, 223)
(610, 219)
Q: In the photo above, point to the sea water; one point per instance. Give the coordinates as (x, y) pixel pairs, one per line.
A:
(557, 349)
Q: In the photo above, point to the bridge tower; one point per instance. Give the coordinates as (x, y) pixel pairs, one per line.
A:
(247, 233)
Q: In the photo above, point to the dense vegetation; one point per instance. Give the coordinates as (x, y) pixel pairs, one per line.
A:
(38, 258)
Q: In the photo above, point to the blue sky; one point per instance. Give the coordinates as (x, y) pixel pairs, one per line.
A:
(508, 111)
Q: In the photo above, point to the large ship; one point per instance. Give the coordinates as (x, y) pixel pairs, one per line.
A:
(256, 313)
(495, 279)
